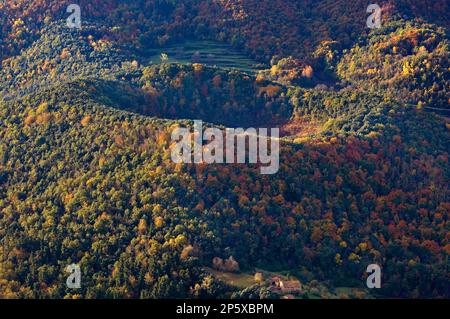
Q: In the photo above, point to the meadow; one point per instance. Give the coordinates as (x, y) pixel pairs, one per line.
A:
(212, 53)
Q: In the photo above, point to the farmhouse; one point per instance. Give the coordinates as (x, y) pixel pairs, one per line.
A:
(290, 286)
(286, 286)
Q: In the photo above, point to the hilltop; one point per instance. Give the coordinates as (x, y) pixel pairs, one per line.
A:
(86, 118)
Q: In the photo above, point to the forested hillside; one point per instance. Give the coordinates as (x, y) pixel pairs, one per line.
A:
(85, 141)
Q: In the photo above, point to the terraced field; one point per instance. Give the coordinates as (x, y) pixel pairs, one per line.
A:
(205, 52)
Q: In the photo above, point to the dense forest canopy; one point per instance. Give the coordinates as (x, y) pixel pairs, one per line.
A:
(85, 142)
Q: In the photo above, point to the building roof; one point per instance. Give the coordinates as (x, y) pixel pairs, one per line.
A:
(290, 284)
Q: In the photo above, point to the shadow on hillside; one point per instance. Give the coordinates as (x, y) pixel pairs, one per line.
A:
(130, 98)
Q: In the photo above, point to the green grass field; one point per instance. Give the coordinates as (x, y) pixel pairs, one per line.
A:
(206, 52)
(241, 280)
